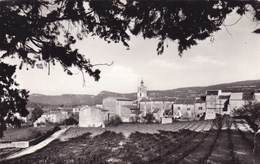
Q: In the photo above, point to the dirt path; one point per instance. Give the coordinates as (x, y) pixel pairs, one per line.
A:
(40, 145)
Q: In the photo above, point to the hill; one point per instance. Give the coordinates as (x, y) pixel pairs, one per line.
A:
(61, 100)
(75, 99)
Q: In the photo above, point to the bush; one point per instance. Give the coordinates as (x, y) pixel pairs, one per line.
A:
(135, 119)
(70, 121)
(149, 118)
(113, 121)
(218, 121)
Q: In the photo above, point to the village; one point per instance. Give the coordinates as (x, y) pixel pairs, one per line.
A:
(163, 109)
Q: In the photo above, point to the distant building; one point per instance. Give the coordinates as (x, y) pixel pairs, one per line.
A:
(179, 107)
(120, 106)
(212, 104)
(77, 108)
(92, 117)
(160, 107)
(52, 116)
(200, 107)
(239, 99)
(128, 112)
(184, 108)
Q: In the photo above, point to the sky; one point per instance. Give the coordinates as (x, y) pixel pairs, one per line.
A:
(232, 56)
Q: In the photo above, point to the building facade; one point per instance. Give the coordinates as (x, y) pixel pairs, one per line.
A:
(92, 117)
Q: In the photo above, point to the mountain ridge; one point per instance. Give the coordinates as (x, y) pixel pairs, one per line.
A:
(183, 92)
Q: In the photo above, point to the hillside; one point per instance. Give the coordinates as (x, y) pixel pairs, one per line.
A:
(65, 99)
(74, 99)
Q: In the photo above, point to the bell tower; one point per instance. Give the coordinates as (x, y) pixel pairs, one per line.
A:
(141, 91)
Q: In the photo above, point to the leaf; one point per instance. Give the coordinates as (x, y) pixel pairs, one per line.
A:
(257, 31)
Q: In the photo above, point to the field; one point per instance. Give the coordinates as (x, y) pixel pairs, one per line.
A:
(23, 133)
(181, 142)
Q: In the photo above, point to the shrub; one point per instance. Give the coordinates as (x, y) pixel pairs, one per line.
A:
(70, 121)
(149, 118)
(135, 119)
(113, 121)
(218, 121)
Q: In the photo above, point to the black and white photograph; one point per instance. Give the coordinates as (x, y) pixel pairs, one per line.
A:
(129, 81)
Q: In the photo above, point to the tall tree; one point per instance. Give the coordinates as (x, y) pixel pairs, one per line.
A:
(38, 31)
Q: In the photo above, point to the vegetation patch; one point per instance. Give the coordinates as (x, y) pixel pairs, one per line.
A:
(24, 133)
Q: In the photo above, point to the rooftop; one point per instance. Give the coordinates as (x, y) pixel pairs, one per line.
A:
(215, 92)
(224, 97)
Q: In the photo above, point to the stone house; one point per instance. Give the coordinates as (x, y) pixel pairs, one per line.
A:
(184, 108)
(120, 106)
(212, 104)
(92, 117)
(188, 110)
(52, 116)
(160, 107)
(129, 112)
(178, 108)
(239, 99)
(200, 107)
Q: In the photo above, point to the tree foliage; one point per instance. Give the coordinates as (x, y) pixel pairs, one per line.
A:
(12, 100)
(45, 31)
(149, 118)
(36, 113)
(250, 109)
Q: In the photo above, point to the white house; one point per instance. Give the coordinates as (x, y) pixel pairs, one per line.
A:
(92, 117)
(239, 99)
(200, 107)
(52, 116)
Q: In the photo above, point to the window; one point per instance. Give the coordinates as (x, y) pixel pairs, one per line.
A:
(200, 108)
(188, 108)
(179, 108)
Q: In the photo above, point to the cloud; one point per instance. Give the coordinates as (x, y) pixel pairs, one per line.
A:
(208, 60)
(171, 64)
(119, 78)
(122, 72)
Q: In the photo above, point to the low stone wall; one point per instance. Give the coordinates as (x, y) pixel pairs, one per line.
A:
(166, 120)
(44, 136)
(21, 144)
(25, 144)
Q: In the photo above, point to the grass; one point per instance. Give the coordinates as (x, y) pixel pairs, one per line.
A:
(23, 133)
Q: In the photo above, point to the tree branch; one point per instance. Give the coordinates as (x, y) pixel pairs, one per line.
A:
(106, 64)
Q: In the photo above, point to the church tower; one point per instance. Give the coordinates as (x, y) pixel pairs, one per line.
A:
(142, 91)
